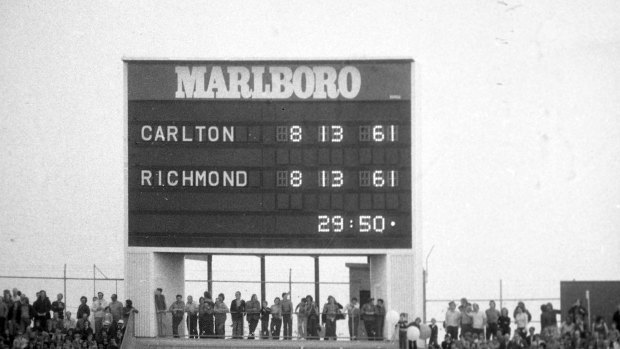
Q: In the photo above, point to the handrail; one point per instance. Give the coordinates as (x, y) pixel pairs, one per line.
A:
(129, 338)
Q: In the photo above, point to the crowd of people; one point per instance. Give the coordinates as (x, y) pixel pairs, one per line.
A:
(207, 318)
(47, 324)
(468, 327)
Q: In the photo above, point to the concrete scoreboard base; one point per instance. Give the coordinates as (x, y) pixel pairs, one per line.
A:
(395, 278)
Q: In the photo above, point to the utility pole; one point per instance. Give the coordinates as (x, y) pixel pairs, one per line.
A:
(65, 288)
(424, 281)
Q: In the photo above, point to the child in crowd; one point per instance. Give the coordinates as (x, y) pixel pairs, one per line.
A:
(265, 311)
(401, 328)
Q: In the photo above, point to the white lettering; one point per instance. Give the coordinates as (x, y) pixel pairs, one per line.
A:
(172, 133)
(175, 181)
(146, 137)
(159, 134)
(325, 78)
(145, 178)
(356, 82)
(201, 178)
(188, 178)
(185, 138)
(281, 81)
(300, 74)
(318, 82)
(239, 78)
(214, 134)
(217, 82)
(229, 134)
(201, 132)
(242, 178)
(214, 178)
(190, 85)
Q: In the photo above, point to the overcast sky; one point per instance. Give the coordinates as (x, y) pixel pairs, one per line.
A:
(519, 104)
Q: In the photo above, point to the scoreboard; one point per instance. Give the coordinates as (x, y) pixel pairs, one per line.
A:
(270, 154)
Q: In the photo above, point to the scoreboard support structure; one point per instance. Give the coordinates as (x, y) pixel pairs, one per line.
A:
(269, 158)
(394, 277)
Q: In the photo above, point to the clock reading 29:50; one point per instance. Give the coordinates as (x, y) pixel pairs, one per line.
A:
(363, 223)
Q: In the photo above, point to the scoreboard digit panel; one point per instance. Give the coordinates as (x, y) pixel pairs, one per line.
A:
(270, 154)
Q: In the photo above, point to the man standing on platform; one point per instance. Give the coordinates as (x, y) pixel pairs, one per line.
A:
(160, 310)
(98, 309)
(58, 306)
(177, 309)
(191, 309)
(116, 309)
(287, 310)
(353, 311)
(368, 315)
(379, 318)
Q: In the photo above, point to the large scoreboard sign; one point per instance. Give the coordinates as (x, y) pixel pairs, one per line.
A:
(270, 154)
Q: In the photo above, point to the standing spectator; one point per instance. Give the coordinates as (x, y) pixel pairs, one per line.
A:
(313, 318)
(330, 311)
(548, 317)
(521, 305)
(353, 312)
(205, 315)
(302, 318)
(17, 295)
(42, 307)
(237, 313)
(492, 315)
(21, 341)
(220, 309)
(58, 306)
(68, 322)
(379, 318)
(504, 323)
(81, 322)
(466, 320)
(252, 308)
(191, 309)
(127, 310)
(265, 311)
(368, 315)
(4, 313)
(13, 317)
(568, 326)
(447, 342)
(616, 317)
(432, 341)
(56, 324)
(26, 313)
(402, 325)
(287, 309)
(614, 334)
(276, 319)
(83, 308)
(177, 309)
(116, 309)
(98, 309)
(517, 341)
(478, 320)
(452, 321)
(599, 326)
(521, 320)
(160, 310)
(577, 311)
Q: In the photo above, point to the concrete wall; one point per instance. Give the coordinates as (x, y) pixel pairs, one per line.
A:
(359, 279)
(139, 288)
(146, 271)
(394, 279)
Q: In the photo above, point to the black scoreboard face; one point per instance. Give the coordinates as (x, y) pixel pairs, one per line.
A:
(270, 154)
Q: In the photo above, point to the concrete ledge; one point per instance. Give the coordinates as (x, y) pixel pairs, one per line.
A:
(176, 343)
